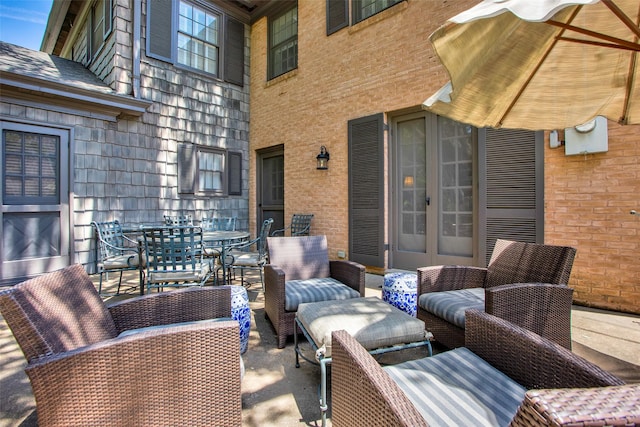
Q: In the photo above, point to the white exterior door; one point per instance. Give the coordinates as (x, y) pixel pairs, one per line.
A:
(432, 192)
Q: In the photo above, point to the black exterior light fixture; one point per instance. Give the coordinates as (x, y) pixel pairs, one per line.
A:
(323, 158)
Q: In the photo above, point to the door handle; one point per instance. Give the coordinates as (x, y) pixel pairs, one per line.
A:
(428, 200)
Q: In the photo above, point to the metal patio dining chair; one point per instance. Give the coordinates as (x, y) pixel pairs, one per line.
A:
(178, 220)
(219, 224)
(115, 252)
(300, 226)
(242, 257)
(174, 257)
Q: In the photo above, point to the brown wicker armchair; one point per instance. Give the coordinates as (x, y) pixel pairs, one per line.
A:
(299, 271)
(82, 373)
(524, 283)
(563, 388)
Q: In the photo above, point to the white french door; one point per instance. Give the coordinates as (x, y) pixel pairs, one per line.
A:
(433, 201)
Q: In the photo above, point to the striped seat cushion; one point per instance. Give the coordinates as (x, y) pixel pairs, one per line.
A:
(451, 305)
(458, 388)
(314, 290)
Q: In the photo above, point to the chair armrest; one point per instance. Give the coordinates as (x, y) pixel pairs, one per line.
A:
(180, 375)
(449, 278)
(280, 231)
(241, 245)
(601, 406)
(183, 305)
(274, 283)
(350, 273)
(539, 307)
(362, 393)
(528, 358)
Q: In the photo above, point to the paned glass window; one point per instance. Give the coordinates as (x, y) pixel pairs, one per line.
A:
(363, 9)
(283, 42)
(99, 26)
(198, 38)
(211, 167)
(31, 172)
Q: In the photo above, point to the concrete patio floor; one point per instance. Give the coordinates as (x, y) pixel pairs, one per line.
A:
(275, 393)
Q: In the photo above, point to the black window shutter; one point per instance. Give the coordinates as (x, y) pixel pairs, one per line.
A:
(337, 15)
(235, 174)
(187, 165)
(159, 29)
(511, 187)
(366, 190)
(234, 52)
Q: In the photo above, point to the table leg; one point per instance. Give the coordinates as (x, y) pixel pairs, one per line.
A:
(140, 268)
(323, 389)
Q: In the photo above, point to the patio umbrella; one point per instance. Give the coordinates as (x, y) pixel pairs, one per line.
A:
(540, 64)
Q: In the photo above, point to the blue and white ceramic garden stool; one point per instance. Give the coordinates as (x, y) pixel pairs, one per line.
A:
(241, 312)
(401, 291)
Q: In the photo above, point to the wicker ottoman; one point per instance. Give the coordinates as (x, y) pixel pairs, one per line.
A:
(377, 326)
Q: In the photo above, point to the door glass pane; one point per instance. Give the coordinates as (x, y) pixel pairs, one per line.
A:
(455, 216)
(30, 169)
(412, 183)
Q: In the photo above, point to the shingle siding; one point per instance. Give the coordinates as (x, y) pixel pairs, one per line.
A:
(128, 169)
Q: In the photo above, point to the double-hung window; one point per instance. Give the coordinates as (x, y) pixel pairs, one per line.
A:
(99, 26)
(210, 171)
(338, 11)
(283, 42)
(198, 37)
(363, 9)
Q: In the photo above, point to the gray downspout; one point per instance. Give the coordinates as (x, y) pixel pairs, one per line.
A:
(137, 17)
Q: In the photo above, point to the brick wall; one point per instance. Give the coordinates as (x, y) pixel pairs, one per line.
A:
(386, 64)
(587, 204)
(382, 64)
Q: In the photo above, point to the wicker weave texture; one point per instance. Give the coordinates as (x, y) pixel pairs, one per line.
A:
(570, 389)
(585, 407)
(350, 273)
(546, 310)
(362, 393)
(179, 375)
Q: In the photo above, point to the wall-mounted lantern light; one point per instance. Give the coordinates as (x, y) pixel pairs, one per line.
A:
(323, 158)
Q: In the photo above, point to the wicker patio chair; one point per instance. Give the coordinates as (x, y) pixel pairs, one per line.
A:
(240, 256)
(116, 252)
(564, 389)
(300, 226)
(83, 373)
(524, 283)
(300, 271)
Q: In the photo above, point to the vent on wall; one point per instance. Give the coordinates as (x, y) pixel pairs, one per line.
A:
(591, 137)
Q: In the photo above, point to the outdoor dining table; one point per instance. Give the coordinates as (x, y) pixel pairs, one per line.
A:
(222, 240)
(213, 239)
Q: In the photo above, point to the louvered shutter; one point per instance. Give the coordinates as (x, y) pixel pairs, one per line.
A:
(187, 168)
(159, 29)
(366, 190)
(337, 15)
(512, 181)
(234, 52)
(234, 173)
